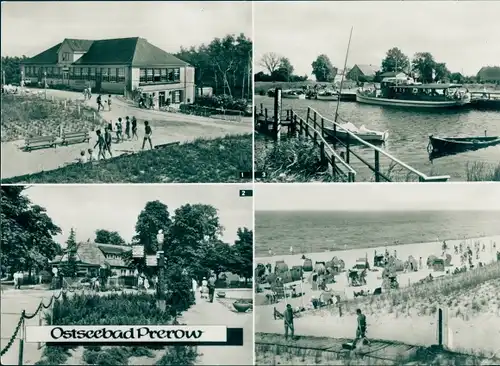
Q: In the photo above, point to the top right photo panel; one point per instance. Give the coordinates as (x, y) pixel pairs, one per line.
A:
(377, 91)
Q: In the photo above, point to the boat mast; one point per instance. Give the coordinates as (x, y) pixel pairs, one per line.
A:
(342, 79)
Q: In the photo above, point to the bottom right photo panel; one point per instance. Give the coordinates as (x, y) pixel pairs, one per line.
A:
(378, 274)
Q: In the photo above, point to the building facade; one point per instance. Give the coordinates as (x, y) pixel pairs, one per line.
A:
(489, 74)
(362, 72)
(128, 66)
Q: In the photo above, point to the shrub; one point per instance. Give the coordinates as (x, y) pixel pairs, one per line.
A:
(222, 101)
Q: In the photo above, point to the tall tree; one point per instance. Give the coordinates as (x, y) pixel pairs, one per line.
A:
(270, 61)
(395, 60)
(441, 71)
(285, 69)
(243, 247)
(70, 267)
(27, 232)
(12, 68)
(424, 65)
(108, 237)
(323, 69)
(153, 218)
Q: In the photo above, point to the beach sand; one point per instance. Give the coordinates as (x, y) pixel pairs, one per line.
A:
(477, 333)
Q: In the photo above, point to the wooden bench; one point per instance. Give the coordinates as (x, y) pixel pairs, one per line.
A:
(75, 137)
(39, 142)
(170, 144)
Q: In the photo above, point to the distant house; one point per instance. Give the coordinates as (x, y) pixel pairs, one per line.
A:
(489, 74)
(394, 74)
(91, 256)
(114, 66)
(362, 72)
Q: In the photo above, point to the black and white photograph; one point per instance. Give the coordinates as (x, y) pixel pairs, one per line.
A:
(134, 255)
(126, 92)
(377, 274)
(377, 91)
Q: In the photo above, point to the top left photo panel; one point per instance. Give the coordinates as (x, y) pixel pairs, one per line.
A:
(126, 92)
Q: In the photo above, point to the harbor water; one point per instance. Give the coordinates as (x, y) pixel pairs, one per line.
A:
(409, 131)
(319, 231)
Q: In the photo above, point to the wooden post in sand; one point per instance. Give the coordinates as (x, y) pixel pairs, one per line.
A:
(65, 104)
(440, 328)
(277, 114)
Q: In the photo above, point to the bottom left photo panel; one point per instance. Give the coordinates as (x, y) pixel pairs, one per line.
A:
(127, 274)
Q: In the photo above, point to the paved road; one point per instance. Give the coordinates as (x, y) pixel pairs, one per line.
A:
(13, 302)
(205, 313)
(167, 127)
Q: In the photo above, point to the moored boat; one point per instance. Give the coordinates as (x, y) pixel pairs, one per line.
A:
(327, 95)
(416, 95)
(293, 94)
(361, 132)
(450, 145)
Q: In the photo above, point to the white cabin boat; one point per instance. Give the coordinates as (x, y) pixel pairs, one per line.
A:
(361, 132)
(327, 95)
(416, 95)
(293, 94)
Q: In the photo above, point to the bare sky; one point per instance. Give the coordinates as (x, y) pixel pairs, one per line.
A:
(116, 207)
(377, 197)
(463, 34)
(29, 28)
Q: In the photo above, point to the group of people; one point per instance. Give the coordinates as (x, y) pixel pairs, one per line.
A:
(207, 289)
(100, 106)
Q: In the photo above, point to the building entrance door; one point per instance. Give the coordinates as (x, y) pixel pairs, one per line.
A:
(161, 99)
(98, 82)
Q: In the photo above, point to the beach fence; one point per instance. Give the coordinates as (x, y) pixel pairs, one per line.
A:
(339, 148)
(20, 330)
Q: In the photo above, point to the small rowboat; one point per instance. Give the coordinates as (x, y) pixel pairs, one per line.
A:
(450, 145)
(362, 132)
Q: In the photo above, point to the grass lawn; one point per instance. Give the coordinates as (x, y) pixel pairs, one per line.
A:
(201, 161)
(30, 116)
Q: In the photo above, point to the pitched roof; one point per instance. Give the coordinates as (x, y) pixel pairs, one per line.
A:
(95, 254)
(391, 74)
(131, 51)
(368, 70)
(78, 45)
(90, 253)
(113, 249)
(49, 56)
(489, 73)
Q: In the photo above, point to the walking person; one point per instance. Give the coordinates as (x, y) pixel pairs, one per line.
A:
(109, 102)
(16, 279)
(288, 321)
(194, 288)
(127, 127)
(119, 136)
(361, 328)
(204, 287)
(147, 135)
(211, 288)
(101, 142)
(108, 141)
(146, 284)
(134, 128)
(99, 103)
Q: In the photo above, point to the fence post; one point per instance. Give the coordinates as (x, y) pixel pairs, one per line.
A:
(40, 323)
(377, 167)
(347, 148)
(261, 108)
(315, 123)
(65, 103)
(440, 328)
(294, 124)
(322, 127)
(322, 151)
(308, 114)
(277, 114)
(21, 339)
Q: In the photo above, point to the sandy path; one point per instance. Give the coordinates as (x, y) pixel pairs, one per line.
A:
(167, 127)
(205, 313)
(13, 302)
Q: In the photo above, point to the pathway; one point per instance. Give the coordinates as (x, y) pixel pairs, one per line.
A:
(167, 127)
(205, 313)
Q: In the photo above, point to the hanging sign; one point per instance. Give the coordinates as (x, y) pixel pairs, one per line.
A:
(151, 261)
(138, 251)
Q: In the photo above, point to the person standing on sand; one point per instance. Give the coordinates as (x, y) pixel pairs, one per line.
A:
(99, 103)
(119, 136)
(361, 328)
(288, 321)
(127, 127)
(109, 102)
(291, 250)
(147, 135)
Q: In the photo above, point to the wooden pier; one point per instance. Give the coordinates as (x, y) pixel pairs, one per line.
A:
(335, 153)
(486, 100)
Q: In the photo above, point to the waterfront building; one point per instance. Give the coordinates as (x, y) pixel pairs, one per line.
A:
(489, 74)
(126, 66)
(363, 72)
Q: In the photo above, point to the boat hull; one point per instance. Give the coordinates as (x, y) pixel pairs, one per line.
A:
(328, 98)
(369, 137)
(409, 103)
(301, 96)
(443, 145)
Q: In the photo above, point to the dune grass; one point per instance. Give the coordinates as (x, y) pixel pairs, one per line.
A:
(482, 172)
(201, 161)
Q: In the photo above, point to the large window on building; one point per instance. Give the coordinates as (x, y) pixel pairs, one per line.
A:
(104, 72)
(157, 75)
(176, 96)
(149, 75)
(177, 74)
(112, 74)
(163, 75)
(78, 73)
(120, 77)
(65, 56)
(85, 73)
(92, 73)
(57, 71)
(142, 76)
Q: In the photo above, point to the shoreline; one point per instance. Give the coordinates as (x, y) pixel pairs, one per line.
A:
(403, 249)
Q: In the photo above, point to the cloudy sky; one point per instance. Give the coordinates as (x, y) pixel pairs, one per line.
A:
(116, 207)
(378, 197)
(31, 27)
(463, 34)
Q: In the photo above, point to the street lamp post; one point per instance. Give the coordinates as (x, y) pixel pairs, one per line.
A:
(45, 83)
(160, 287)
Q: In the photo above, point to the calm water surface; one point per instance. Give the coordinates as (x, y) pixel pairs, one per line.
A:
(317, 231)
(409, 132)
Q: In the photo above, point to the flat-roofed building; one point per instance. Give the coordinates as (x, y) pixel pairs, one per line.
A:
(117, 66)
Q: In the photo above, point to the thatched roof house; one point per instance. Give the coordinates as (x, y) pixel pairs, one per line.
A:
(489, 74)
